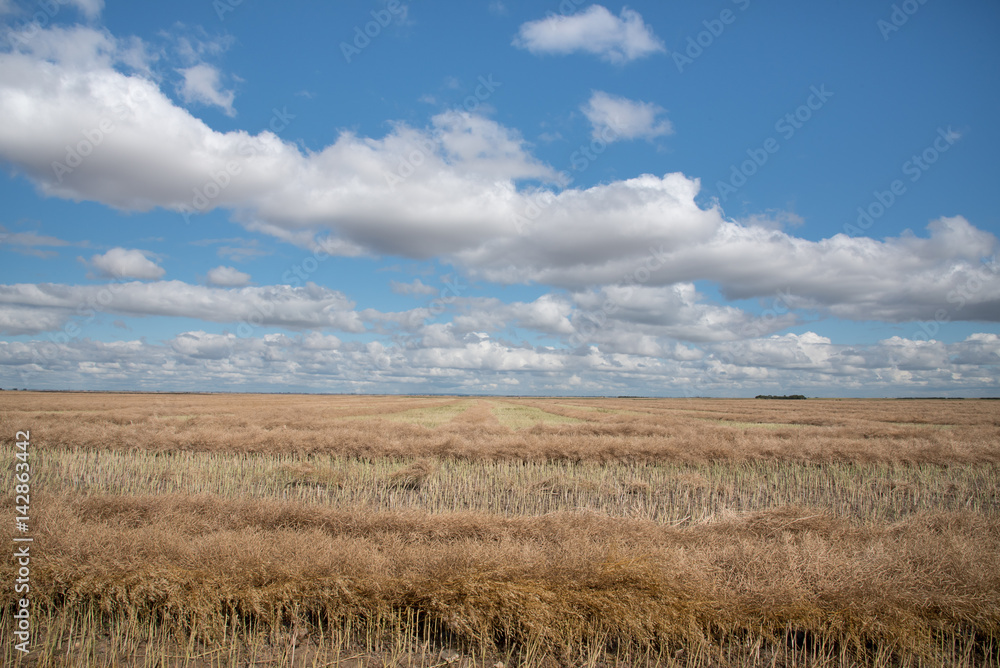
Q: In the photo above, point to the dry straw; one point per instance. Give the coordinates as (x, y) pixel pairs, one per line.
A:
(225, 530)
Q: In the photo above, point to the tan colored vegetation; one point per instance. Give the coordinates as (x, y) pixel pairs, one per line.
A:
(413, 476)
(663, 493)
(636, 431)
(219, 530)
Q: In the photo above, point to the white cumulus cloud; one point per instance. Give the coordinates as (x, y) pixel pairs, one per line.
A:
(126, 263)
(616, 39)
(296, 308)
(202, 84)
(457, 190)
(228, 277)
(614, 118)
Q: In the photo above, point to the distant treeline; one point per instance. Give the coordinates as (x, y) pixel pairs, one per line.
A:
(780, 396)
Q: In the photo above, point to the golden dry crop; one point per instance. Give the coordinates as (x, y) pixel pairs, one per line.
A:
(211, 530)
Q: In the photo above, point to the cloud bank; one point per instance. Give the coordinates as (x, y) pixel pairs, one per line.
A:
(618, 264)
(413, 192)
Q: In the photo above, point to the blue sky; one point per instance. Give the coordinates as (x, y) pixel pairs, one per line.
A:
(677, 199)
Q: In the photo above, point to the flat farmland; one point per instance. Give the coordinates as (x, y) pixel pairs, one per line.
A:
(308, 530)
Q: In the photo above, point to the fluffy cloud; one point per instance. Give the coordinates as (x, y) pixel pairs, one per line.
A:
(616, 39)
(201, 84)
(549, 315)
(488, 355)
(806, 363)
(646, 319)
(787, 352)
(16, 319)
(414, 192)
(615, 118)
(411, 192)
(36, 308)
(950, 274)
(89, 8)
(200, 345)
(635, 319)
(227, 277)
(126, 263)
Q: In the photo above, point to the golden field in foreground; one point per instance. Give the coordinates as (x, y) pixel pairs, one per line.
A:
(212, 530)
